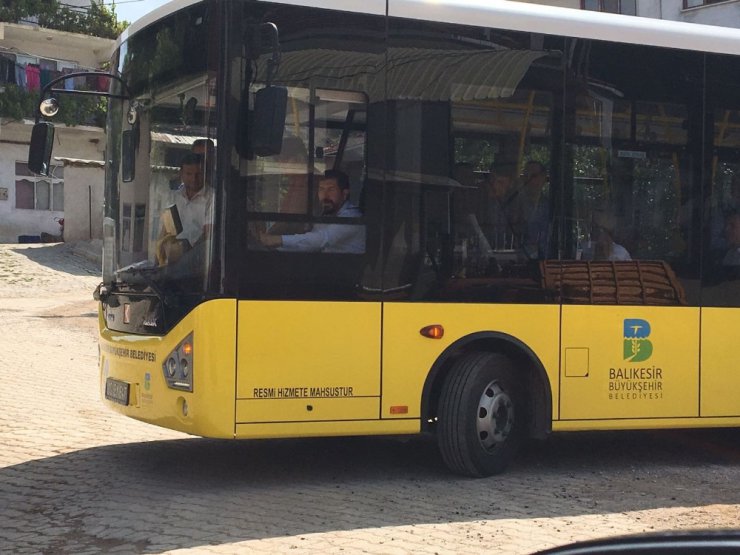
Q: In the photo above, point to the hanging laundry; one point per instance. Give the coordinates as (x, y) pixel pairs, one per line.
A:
(103, 83)
(20, 76)
(45, 77)
(69, 84)
(33, 77)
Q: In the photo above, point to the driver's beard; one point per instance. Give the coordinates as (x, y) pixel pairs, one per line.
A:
(328, 208)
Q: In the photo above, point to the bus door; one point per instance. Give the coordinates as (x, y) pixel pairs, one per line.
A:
(720, 292)
(630, 294)
(720, 317)
(719, 377)
(630, 340)
(629, 362)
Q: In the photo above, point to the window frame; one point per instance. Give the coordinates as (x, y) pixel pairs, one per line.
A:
(53, 181)
(702, 3)
(620, 8)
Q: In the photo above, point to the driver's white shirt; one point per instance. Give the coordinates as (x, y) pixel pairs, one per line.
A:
(194, 213)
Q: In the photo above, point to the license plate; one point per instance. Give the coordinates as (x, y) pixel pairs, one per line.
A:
(117, 391)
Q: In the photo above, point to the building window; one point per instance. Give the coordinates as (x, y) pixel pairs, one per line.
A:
(699, 3)
(625, 7)
(39, 192)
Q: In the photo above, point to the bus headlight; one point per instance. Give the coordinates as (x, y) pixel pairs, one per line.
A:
(171, 367)
(178, 366)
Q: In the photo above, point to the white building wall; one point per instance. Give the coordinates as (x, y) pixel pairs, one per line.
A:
(78, 3)
(576, 4)
(87, 52)
(726, 14)
(15, 222)
(72, 142)
(83, 202)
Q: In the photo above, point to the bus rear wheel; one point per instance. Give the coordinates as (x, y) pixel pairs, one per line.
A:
(480, 415)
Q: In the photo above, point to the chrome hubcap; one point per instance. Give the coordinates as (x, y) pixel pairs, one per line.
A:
(495, 416)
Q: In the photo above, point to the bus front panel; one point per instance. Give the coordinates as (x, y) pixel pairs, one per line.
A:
(136, 382)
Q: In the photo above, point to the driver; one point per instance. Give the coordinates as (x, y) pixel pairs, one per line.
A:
(194, 203)
(333, 196)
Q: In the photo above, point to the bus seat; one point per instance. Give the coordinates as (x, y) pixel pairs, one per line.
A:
(624, 282)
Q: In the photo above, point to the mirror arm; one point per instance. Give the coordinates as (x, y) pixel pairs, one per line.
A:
(49, 89)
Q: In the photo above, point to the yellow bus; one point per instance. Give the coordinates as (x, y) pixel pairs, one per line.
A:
(486, 221)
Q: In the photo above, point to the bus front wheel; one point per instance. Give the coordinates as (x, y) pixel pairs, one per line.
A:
(480, 415)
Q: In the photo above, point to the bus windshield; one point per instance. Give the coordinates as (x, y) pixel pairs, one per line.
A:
(160, 187)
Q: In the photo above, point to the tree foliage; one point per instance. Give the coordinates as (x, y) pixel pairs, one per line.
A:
(16, 104)
(97, 20)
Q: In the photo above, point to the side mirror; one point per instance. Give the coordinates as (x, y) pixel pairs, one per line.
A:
(268, 123)
(128, 156)
(39, 152)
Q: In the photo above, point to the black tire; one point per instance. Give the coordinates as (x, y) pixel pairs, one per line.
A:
(481, 415)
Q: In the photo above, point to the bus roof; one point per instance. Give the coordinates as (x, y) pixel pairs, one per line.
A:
(519, 16)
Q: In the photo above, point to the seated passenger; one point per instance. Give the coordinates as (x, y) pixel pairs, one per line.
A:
(465, 200)
(533, 209)
(497, 210)
(333, 196)
(605, 248)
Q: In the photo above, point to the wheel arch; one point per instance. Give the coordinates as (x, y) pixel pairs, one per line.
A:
(539, 392)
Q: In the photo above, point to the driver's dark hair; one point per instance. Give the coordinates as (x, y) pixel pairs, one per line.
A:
(341, 177)
(191, 159)
(208, 143)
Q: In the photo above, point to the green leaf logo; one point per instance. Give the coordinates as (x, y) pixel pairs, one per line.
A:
(637, 346)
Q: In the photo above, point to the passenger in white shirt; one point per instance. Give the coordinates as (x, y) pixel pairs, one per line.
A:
(605, 247)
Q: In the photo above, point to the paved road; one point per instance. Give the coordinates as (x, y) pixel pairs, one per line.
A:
(76, 478)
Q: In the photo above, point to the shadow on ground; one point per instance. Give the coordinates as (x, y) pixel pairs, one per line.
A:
(165, 495)
(62, 257)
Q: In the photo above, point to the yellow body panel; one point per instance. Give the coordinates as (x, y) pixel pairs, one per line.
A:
(299, 354)
(138, 360)
(598, 382)
(720, 375)
(408, 356)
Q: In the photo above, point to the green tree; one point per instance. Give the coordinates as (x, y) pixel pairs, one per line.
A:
(97, 20)
(17, 10)
(16, 104)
